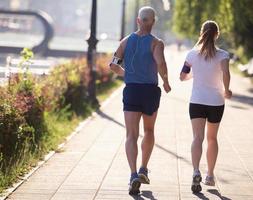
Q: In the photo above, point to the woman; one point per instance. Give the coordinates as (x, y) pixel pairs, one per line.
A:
(209, 68)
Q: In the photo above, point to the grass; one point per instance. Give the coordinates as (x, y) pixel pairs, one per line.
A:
(62, 127)
(59, 127)
(106, 89)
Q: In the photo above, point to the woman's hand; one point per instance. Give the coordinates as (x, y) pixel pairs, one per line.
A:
(228, 94)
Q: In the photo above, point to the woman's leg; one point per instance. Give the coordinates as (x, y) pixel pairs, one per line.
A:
(132, 120)
(198, 128)
(212, 148)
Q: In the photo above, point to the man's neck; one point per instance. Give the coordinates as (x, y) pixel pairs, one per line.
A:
(143, 32)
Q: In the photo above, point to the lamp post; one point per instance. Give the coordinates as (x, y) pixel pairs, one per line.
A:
(123, 17)
(137, 5)
(91, 55)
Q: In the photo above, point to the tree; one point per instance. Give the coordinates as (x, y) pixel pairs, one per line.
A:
(234, 17)
(163, 16)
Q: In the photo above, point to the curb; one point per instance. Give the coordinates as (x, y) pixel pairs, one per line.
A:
(81, 125)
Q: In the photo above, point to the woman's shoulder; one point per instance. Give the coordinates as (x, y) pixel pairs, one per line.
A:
(223, 53)
(193, 52)
(219, 50)
(191, 55)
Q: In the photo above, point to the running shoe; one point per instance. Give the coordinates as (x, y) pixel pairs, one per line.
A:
(196, 179)
(134, 185)
(143, 175)
(209, 181)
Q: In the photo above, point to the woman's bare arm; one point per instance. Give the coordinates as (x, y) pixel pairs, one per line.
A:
(186, 74)
(226, 77)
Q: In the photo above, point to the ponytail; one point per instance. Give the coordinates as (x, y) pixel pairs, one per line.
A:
(209, 31)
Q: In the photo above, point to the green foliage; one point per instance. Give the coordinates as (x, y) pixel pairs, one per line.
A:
(163, 16)
(235, 19)
(37, 113)
(26, 56)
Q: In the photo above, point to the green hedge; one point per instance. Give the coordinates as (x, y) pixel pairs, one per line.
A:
(36, 113)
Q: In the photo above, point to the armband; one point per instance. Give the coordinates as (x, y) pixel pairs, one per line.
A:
(116, 60)
(186, 69)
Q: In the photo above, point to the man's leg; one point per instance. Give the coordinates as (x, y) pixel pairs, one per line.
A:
(147, 146)
(148, 139)
(132, 120)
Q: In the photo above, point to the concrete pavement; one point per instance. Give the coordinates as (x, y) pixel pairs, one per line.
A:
(93, 165)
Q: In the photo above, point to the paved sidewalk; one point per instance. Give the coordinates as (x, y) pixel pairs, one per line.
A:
(93, 164)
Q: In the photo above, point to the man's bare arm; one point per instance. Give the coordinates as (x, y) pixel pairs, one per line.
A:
(161, 64)
(116, 68)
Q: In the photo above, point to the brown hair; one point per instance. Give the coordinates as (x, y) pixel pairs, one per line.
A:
(209, 31)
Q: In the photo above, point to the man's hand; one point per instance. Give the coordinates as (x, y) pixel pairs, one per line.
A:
(228, 94)
(166, 87)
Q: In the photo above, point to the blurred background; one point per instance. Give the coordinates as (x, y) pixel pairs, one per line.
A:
(71, 22)
(177, 21)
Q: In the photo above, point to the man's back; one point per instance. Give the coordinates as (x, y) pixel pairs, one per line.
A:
(140, 66)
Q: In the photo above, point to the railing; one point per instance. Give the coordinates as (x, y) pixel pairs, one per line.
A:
(8, 20)
(46, 21)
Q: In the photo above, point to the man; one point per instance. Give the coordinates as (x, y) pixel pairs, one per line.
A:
(143, 58)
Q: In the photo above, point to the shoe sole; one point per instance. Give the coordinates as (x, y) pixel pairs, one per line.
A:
(196, 187)
(144, 179)
(134, 188)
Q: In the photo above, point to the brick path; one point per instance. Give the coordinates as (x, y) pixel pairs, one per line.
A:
(93, 165)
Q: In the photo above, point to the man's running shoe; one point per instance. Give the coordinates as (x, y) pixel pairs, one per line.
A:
(196, 179)
(143, 175)
(134, 185)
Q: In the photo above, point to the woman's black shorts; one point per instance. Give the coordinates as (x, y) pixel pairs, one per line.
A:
(213, 114)
(143, 98)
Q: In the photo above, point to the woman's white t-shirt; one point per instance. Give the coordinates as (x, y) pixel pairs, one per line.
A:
(208, 86)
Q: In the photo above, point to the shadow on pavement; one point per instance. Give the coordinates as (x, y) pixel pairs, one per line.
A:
(137, 197)
(171, 153)
(201, 196)
(146, 193)
(242, 99)
(239, 107)
(218, 194)
(104, 115)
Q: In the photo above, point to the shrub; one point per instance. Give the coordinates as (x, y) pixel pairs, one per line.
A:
(32, 109)
(16, 134)
(67, 85)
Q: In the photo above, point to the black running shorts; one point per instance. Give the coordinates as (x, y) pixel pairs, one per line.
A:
(143, 98)
(213, 114)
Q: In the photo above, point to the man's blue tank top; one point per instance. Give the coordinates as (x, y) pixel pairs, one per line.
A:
(139, 64)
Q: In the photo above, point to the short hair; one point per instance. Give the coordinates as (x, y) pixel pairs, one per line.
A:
(146, 12)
